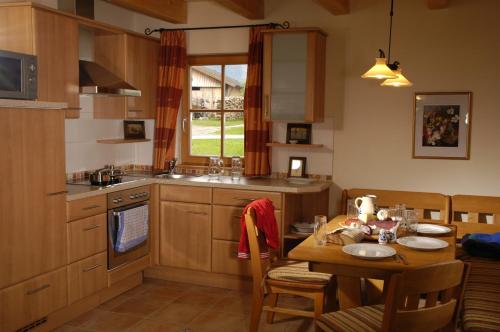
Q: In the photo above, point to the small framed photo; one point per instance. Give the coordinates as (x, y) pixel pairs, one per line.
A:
(442, 125)
(134, 129)
(298, 133)
(297, 167)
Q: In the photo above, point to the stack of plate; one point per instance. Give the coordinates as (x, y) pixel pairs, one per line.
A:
(303, 227)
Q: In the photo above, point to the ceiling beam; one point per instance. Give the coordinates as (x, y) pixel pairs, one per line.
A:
(174, 11)
(336, 7)
(251, 9)
(437, 4)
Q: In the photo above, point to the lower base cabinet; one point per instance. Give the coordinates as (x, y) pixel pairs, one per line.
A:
(225, 259)
(32, 300)
(87, 276)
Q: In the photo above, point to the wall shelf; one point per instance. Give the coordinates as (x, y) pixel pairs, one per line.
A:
(121, 141)
(298, 146)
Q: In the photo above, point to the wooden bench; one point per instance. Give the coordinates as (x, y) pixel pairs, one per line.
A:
(423, 203)
(477, 209)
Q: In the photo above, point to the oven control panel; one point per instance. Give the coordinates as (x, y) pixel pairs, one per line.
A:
(128, 196)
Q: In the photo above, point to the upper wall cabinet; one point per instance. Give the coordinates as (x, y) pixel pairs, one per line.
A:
(135, 59)
(294, 75)
(53, 38)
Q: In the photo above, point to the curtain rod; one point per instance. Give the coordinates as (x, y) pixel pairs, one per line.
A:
(284, 25)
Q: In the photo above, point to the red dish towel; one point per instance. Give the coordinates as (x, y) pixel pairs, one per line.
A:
(265, 223)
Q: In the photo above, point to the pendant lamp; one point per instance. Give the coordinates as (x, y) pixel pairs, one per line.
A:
(384, 69)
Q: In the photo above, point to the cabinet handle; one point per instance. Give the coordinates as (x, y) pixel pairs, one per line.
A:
(57, 193)
(196, 212)
(136, 111)
(92, 268)
(246, 200)
(36, 290)
(184, 125)
(91, 228)
(237, 217)
(91, 207)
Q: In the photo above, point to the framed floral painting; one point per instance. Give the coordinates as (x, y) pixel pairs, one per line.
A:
(442, 125)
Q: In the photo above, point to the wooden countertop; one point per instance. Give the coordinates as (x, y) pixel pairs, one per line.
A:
(76, 191)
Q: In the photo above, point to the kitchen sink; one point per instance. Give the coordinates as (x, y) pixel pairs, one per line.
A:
(177, 176)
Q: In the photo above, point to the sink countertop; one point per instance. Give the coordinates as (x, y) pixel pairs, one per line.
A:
(76, 191)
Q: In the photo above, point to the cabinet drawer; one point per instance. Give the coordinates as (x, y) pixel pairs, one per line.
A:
(86, 237)
(186, 194)
(225, 259)
(87, 277)
(243, 197)
(226, 222)
(86, 207)
(31, 300)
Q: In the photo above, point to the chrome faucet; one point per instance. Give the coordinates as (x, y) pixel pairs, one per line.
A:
(171, 166)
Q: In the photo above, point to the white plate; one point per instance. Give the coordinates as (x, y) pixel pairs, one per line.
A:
(300, 180)
(422, 243)
(304, 227)
(432, 229)
(369, 251)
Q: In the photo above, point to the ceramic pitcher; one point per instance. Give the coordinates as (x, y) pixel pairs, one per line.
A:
(366, 204)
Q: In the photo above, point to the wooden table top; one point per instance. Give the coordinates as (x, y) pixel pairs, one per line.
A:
(330, 257)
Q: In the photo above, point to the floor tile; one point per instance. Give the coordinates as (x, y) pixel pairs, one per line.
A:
(146, 325)
(140, 306)
(178, 313)
(220, 321)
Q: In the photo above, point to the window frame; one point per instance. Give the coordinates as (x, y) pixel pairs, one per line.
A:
(203, 60)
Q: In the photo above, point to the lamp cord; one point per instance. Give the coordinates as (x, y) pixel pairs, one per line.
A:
(390, 31)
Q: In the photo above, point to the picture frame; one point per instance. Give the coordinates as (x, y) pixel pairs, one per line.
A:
(297, 167)
(442, 125)
(298, 133)
(134, 129)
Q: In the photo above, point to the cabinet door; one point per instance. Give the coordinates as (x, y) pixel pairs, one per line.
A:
(142, 73)
(56, 47)
(32, 199)
(185, 235)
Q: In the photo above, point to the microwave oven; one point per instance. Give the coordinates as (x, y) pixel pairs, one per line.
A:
(18, 75)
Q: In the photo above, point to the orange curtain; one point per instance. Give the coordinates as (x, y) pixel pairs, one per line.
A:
(172, 72)
(256, 129)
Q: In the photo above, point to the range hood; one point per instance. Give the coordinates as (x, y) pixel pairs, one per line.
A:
(97, 80)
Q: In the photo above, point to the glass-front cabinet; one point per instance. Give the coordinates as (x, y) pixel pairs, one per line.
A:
(294, 75)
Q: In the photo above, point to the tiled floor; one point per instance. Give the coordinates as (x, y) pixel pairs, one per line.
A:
(175, 307)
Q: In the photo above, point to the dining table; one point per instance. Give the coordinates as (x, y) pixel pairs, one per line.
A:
(350, 270)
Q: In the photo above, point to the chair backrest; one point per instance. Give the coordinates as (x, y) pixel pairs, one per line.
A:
(475, 214)
(259, 266)
(442, 285)
(423, 203)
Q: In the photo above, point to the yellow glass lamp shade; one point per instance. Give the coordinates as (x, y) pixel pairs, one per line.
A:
(399, 81)
(379, 71)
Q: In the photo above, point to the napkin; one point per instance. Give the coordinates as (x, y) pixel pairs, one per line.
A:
(343, 236)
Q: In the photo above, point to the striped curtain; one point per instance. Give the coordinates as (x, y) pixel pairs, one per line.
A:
(256, 129)
(172, 72)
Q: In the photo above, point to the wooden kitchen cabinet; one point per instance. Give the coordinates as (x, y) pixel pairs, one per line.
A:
(87, 237)
(33, 195)
(134, 59)
(87, 277)
(185, 235)
(294, 75)
(53, 38)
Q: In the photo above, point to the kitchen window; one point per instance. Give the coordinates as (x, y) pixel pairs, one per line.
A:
(213, 121)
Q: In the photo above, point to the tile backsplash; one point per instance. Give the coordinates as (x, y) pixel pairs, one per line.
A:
(83, 153)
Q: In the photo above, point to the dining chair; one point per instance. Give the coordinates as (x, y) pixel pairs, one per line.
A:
(419, 300)
(424, 203)
(273, 278)
(471, 213)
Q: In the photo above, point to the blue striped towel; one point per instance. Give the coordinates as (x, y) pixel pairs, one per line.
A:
(133, 228)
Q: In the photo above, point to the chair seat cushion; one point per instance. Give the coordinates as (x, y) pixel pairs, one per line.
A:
(299, 272)
(360, 319)
(482, 295)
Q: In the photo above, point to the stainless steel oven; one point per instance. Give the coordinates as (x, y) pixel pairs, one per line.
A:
(18, 75)
(120, 201)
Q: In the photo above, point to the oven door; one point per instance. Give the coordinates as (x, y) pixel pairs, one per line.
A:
(116, 258)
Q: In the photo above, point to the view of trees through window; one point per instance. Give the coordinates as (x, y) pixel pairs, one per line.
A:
(217, 127)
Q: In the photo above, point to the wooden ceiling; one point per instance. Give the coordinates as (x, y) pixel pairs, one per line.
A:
(175, 11)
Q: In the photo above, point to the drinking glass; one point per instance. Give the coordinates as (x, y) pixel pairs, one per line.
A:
(320, 230)
(215, 165)
(411, 221)
(352, 210)
(235, 168)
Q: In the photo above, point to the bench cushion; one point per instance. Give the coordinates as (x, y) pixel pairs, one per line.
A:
(482, 295)
(298, 271)
(360, 319)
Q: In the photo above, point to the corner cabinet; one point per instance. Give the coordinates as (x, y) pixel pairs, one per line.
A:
(294, 75)
(135, 59)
